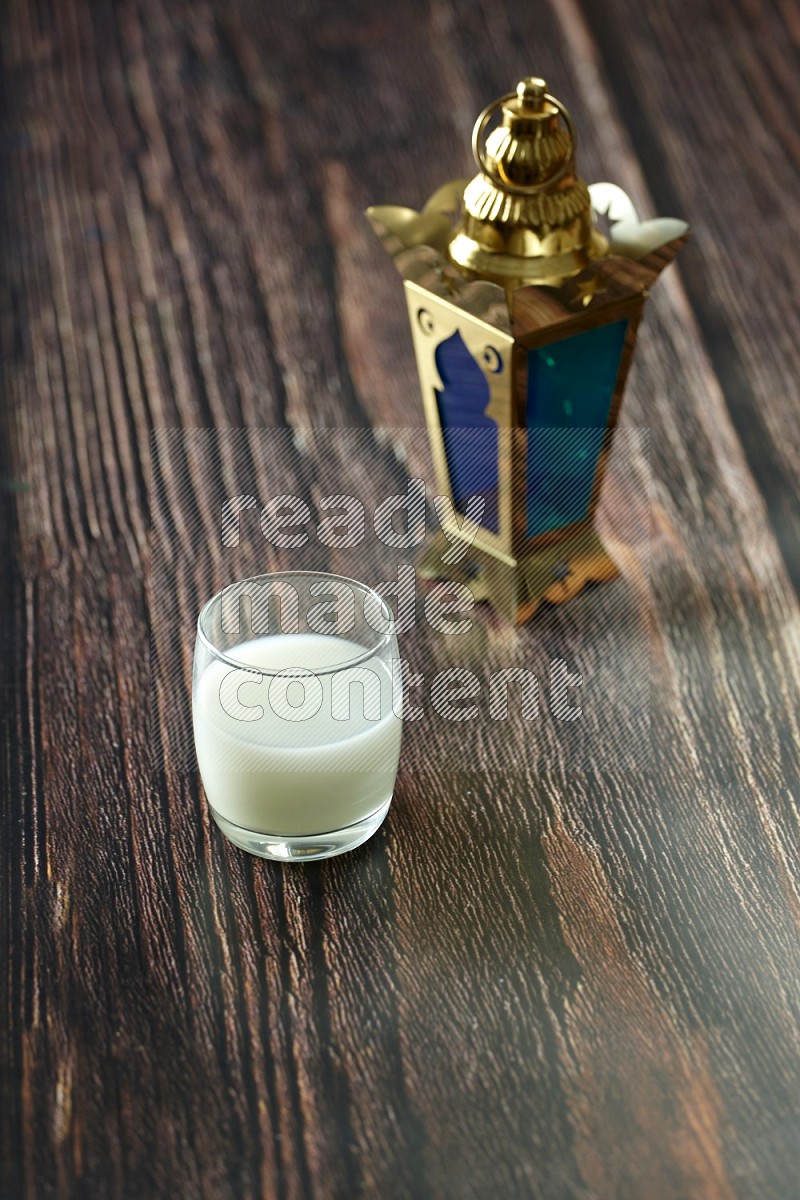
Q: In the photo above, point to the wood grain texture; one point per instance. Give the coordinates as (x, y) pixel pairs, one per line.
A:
(566, 966)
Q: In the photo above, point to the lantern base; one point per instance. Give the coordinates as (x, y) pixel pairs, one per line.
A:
(552, 575)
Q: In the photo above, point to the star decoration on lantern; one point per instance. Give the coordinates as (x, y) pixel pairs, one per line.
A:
(587, 289)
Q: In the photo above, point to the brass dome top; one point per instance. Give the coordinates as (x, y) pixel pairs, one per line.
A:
(527, 215)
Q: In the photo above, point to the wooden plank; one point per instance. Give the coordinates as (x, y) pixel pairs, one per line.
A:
(710, 108)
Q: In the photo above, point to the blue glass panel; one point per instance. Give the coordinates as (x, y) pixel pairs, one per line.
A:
(470, 437)
(570, 388)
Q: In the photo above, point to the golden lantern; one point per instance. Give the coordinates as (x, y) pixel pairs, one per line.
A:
(524, 317)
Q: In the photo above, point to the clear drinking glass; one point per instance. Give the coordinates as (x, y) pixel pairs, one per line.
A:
(296, 708)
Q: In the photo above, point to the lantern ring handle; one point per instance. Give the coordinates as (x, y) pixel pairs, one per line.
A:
(520, 189)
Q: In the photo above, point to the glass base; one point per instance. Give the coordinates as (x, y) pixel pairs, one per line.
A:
(306, 848)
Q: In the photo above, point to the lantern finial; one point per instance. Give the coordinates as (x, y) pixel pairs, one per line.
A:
(531, 92)
(527, 215)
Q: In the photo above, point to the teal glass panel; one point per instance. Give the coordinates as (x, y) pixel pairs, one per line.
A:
(570, 387)
(470, 437)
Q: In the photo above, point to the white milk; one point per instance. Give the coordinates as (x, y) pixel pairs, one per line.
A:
(292, 777)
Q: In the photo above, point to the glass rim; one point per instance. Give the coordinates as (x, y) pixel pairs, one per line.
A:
(364, 588)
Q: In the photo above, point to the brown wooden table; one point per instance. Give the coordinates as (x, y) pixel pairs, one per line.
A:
(568, 964)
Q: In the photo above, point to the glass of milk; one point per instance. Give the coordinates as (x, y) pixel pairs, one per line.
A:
(296, 704)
